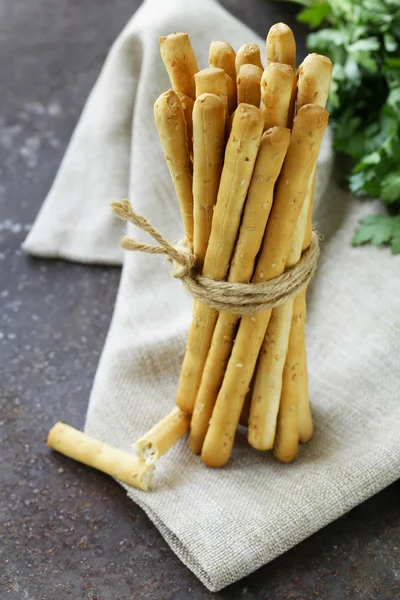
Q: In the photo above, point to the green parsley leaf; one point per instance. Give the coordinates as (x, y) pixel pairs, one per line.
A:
(378, 230)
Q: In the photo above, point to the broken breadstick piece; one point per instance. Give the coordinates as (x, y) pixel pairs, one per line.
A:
(171, 126)
(276, 92)
(187, 106)
(222, 56)
(162, 436)
(248, 54)
(180, 62)
(212, 81)
(125, 467)
(248, 85)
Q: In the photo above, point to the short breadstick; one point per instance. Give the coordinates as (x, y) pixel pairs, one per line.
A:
(273, 147)
(248, 54)
(240, 156)
(171, 127)
(187, 105)
(222, 56)
(162, 436)
(180, 62)
(125, 467)
(276, 92)
(281, 48)
(208, 144)
(212, 81)
(289, 196)
(248, 85)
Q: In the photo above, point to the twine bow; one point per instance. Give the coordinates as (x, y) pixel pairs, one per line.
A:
(236, 298)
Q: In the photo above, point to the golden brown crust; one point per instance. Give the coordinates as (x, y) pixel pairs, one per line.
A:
(276, 94)
(248, 85)
(248, 54)
(223, 56)
(180, 62)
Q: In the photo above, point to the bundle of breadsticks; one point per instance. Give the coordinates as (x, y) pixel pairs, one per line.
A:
(241, 143)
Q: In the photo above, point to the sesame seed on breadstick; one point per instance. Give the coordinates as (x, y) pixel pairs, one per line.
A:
(180, 62)
(125, 467)
(171, 126)
(289, 196)
(240, 156)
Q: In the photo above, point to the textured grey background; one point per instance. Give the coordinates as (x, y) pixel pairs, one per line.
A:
(69, 532)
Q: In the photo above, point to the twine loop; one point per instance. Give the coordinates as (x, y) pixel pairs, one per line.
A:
(236, 298)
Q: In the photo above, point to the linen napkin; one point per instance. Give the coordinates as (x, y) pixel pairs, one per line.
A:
(225, 523)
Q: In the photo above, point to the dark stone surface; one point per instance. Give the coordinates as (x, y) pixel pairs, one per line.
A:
(69, 532)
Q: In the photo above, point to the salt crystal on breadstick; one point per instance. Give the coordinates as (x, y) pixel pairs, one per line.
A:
(248, 54)
(160, 438)
(171, 127)
(212, 81)
(75, 444)
(208, 143)
(273, 147)
(187, 106)
(276, 92)
(240, 156)
(289, 196)
(281, 48)
(180, 62)
(248, 84)
(222, 56)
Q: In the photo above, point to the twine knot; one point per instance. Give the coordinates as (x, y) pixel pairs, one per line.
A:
(237, 298)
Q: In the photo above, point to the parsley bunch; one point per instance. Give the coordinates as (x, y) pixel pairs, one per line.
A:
(362, 38)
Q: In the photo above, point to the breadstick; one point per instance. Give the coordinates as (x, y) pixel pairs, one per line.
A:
(248, 54)
(222, 56)
(276, 92)
(171, 127)
(269, 393)
(187, 106)
(289, 196)
(208, 140)
(281, 45)
(314, 76)
(314, 80)
(231, 90)
(248, 84)
(75, 444)
(180, 62)
(212, 81)
(281, 48)
(162, 436)
(240, 156)
(273, 147)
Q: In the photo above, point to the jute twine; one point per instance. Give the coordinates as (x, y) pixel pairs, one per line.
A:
(236, 298)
